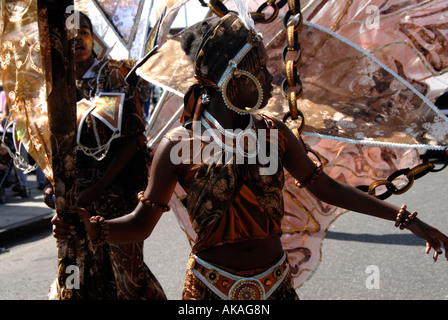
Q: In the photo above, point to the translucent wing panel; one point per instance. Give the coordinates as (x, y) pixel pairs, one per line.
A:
(24, 80)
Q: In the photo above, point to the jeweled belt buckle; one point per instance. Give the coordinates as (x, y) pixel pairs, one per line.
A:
(247, 289)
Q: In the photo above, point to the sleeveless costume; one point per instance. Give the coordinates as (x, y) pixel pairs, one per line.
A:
(118, 271)
(229, 202)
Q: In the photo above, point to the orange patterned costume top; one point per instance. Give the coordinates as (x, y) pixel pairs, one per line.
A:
(230, 202)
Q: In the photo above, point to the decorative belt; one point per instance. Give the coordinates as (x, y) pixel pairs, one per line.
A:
(229, 286)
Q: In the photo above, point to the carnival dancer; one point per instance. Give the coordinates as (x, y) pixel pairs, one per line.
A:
(108, 183)
(230, 162)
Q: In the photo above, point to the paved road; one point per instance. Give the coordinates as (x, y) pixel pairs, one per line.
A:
(29, 267)
(397, 261)
(355, 242)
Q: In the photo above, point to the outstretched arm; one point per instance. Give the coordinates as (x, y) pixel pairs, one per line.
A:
(336, 193)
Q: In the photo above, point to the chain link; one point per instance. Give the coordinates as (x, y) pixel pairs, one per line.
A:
(401, 180)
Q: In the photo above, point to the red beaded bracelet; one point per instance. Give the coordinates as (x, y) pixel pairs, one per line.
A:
(104, 230)
(151, 204)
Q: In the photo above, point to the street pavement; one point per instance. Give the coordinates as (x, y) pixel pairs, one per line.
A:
(20, 216)
(28, 251)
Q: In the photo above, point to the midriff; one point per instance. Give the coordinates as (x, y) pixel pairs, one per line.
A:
(244, 255)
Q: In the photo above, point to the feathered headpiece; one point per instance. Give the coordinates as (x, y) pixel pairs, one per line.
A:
(244, 15)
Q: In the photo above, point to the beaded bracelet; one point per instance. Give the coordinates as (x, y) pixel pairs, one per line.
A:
(406, 221)
(104, 230)
(403, 223)
(317, 172)
(151, 204)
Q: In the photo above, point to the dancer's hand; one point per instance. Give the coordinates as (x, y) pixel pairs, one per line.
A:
(64, 231)
(433, 237)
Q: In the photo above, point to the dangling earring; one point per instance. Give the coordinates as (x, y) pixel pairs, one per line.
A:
(227, 99)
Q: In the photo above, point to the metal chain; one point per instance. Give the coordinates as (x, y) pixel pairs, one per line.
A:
(407, 175)
(292, 90)
(292, 54)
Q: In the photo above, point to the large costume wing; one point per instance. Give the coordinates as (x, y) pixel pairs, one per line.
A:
(38, 75)
(407, 36)
(388, 60)
(23, 77)
(365, 111)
